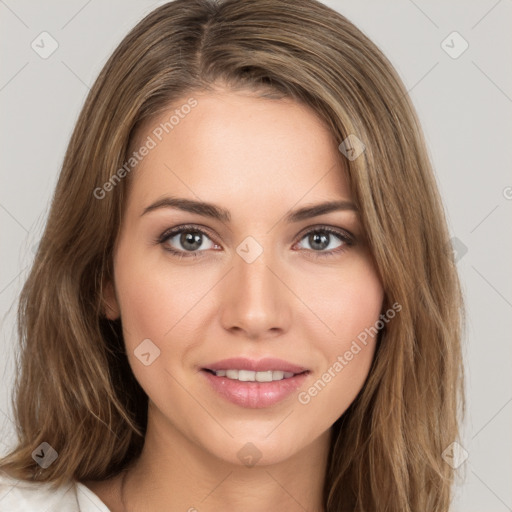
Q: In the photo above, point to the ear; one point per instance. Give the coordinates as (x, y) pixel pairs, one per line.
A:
(110, 304)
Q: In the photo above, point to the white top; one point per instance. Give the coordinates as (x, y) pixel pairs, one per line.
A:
(21, 496)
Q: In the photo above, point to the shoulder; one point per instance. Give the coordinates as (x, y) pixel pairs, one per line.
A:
(22, 496)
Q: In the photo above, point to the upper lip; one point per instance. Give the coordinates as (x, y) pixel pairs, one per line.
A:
(260, 365)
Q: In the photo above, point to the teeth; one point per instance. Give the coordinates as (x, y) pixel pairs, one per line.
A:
(250, 376)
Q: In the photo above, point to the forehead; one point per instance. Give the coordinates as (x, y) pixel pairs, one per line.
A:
(237, 146)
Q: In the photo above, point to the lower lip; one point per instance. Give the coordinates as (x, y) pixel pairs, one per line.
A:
(254, 395)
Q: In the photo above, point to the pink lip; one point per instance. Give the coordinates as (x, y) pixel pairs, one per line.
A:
(254, 395)
(267, 363)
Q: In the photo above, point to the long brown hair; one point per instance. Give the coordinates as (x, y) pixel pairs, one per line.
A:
(74, 388)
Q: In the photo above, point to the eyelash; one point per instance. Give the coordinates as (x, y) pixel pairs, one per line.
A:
(344, 236)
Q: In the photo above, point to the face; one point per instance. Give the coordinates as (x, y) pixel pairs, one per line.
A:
(256, 281)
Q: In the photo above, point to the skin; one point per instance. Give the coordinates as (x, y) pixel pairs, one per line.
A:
(258, 158)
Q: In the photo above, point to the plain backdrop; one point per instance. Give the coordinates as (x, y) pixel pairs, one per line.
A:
(464, 101)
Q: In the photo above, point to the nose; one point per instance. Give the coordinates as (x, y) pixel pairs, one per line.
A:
(255, 300)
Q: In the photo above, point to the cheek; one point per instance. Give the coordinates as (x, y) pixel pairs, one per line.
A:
(360, 307)
(360, 304)
(163, 305)
(346, 353)
(156, 298)
(345, 302)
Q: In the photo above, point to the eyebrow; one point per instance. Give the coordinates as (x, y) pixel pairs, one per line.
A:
(223, 215)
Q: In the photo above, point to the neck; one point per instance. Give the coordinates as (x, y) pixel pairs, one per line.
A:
(175, 474)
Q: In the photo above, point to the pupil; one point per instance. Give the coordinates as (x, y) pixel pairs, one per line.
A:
(319, 240)
(192, 238)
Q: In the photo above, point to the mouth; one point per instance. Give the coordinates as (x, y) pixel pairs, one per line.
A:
(253, 376)
(254, 384)
(244, 366)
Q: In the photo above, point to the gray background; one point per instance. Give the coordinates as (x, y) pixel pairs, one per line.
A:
(465, 107)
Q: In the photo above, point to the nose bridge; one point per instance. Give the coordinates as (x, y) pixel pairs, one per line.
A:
(253, 299)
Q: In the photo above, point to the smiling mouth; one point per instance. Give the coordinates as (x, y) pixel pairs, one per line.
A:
(253, 376)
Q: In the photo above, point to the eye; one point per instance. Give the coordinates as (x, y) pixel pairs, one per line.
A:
(189, 240)
(323, 237)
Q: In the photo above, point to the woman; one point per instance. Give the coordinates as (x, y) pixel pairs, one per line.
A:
(244, 296)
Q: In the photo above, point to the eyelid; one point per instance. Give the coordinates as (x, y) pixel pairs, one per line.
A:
(345, 236)
(186, 227)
